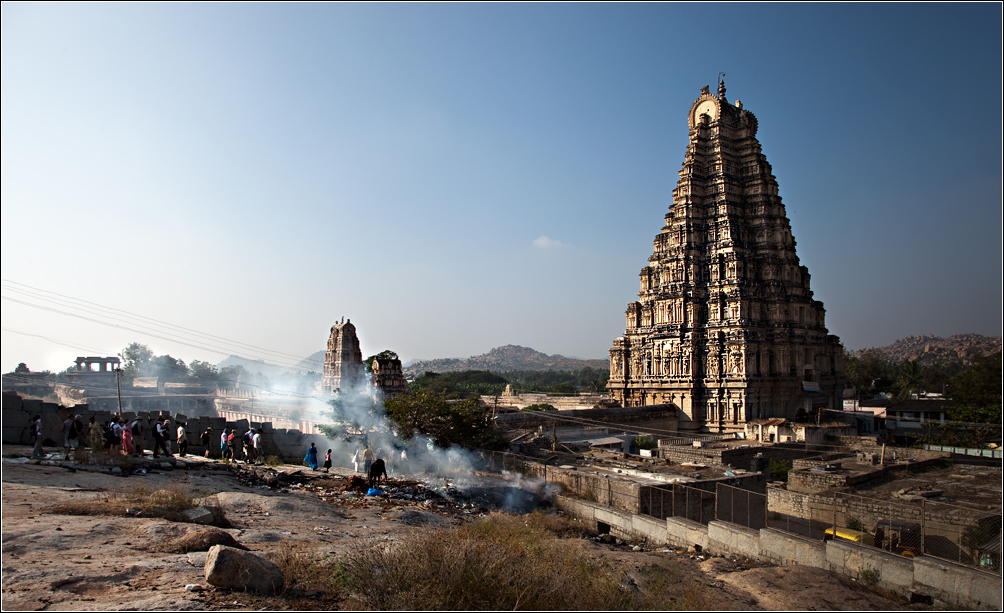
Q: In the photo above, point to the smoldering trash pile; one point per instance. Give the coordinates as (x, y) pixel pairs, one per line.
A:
(474, 496)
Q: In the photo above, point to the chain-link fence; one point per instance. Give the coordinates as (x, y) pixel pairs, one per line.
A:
(738, 506)
(677, 500)
(962, 535)
(950, 532)
(812, 522)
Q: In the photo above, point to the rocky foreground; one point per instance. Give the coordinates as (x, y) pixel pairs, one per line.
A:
(70, 541)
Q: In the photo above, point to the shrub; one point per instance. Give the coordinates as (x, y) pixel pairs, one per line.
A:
(501, 562)
(273, 460)
(853, 523)
(170, 503)
(778, 470)
(539, 407)
(869, 575)
(645, 442)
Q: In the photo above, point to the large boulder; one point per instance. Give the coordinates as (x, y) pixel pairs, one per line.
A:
(241, 570)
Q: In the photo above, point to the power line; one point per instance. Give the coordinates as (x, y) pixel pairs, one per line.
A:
(58, 342)
(182, 341)
(150, 326)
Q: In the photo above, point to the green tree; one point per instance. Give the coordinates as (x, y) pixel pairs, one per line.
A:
(909, 379)
(869, 372)
(233, 373)
(135, 357)
(476, 381)
(980, 384)
(204, 370)
(778, 470)
(353, 412)
(386, 354)
(646, 441)
(975, 415)
(165, 366)
(446, 421)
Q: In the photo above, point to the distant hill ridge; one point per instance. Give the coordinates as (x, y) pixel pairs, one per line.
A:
(313, 363)
(930, 350)
(502, 359)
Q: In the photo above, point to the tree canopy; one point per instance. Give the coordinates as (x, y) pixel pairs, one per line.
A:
(980, 384)
(386, 354)
(445, 420)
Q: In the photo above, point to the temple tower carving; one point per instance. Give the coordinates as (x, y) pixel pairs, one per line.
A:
(388, 377)
(725, 326)
(343, 361)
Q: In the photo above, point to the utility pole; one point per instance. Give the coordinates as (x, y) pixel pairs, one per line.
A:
(118, 387)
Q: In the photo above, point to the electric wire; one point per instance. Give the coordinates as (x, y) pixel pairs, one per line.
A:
(158, 328)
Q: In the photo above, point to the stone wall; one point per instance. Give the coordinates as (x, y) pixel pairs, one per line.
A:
(734, 457)
(521, 401)
(614, 492)
(17, 412)
(808, 480)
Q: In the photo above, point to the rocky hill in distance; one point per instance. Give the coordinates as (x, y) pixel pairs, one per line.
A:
(932, 350)
(502, 359)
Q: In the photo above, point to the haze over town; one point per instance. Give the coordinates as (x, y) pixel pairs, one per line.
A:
(457, 178)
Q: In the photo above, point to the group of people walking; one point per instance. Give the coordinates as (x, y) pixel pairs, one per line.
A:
(117, 435)
(362, 457)
(233, 446)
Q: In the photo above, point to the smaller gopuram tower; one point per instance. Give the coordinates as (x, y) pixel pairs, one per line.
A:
(388, 377)
(343, 362)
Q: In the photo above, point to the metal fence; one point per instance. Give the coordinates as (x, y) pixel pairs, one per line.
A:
(940, 530)
(677, 500)
(739, 506)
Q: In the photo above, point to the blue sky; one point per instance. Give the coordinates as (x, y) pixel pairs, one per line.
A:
(455, 178)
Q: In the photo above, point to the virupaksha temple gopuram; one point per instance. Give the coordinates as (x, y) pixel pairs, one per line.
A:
(725, 327)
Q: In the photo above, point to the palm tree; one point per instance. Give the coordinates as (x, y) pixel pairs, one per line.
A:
(909, 378)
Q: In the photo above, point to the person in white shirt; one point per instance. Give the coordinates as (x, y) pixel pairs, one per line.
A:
(258, 455)
(182, 440)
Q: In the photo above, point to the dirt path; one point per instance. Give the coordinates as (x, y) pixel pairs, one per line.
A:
(88, 562)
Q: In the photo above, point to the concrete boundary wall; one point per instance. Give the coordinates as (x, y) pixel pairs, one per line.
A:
(725, 538)
(785, 549)
(895, 572)
(686, 533)
(951, 583)
(958, 584)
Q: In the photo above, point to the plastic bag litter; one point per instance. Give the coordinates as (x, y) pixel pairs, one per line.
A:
(374, 492)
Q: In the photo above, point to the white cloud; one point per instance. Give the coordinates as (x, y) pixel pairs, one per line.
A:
(545, 242)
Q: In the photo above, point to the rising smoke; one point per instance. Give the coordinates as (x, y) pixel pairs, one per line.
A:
(357, 418)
